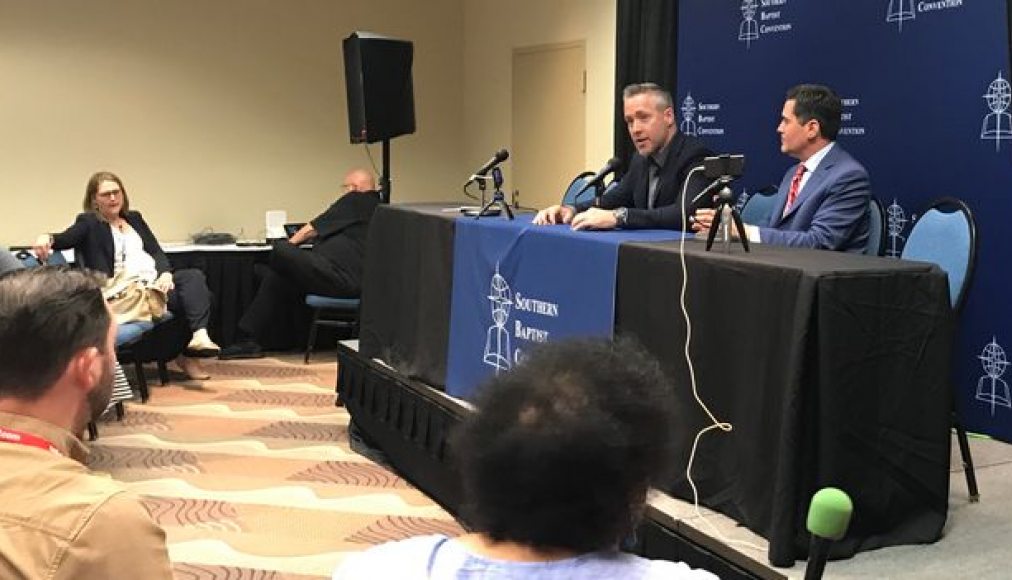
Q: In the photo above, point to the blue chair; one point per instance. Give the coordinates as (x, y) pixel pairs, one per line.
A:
(876, 228)
(331, 312)
(569, 198)
(758, 208)
(128, 338)
(946, 235)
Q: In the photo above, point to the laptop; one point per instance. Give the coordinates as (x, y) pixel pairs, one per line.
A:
(290, 229)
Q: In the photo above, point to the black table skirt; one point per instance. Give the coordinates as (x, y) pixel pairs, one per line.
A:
(832, 369)
(231, 279)
(406, 287)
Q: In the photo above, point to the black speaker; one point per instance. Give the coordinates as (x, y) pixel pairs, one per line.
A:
(381, 99)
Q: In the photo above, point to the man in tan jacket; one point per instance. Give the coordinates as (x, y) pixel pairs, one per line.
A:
(58, 520)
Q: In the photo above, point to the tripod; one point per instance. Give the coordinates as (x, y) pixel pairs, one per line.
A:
(725, 203)
(498, 198)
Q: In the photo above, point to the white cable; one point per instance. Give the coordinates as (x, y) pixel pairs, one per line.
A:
(714, 423)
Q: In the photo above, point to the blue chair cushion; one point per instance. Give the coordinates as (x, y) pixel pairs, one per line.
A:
(317, 301)
(944, 239)
(758, 209)
(131, 331)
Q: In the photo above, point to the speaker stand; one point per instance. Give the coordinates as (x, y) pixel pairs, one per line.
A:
(385, 186)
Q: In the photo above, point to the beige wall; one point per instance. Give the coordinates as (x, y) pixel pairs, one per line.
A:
(211, 111)
(494, 28)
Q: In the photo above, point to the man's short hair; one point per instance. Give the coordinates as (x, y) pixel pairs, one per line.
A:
(820, 103)
(663, 97)
(47, 315)
(564, 447)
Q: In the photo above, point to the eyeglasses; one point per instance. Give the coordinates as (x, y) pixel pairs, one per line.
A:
(110, 193)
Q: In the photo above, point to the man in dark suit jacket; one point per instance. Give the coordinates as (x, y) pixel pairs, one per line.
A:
(823, 200)
(649, 195)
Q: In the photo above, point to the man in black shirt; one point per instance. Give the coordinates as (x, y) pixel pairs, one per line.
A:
(650, 193)
(332, 268)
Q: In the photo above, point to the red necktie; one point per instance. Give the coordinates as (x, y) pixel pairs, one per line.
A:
(792, 193)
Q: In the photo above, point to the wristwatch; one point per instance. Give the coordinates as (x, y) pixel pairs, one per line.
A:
(621, 216)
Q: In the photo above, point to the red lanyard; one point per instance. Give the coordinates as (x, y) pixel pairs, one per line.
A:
(22, 438)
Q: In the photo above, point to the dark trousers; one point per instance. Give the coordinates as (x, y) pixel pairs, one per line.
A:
(289, 275)
(191, 298)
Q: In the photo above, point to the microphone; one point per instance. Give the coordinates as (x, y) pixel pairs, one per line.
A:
(500, 156)
(613, 165)
(828, 518)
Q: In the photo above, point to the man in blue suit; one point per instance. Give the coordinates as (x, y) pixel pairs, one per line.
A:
(823, 200)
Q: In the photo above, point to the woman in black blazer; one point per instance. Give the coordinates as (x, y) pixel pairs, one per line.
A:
(109, 237)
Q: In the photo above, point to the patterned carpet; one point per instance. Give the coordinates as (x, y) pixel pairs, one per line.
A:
(252, 477)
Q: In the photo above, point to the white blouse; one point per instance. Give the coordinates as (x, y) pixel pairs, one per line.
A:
(131, 258)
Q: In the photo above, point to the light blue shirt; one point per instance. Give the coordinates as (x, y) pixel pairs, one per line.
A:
(439, 557)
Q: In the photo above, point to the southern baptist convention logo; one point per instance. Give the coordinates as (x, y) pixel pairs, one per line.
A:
(896, 223)
(992, 390)
(688, 125)
(760, 17)
(997, 125)
(748, 30)
(700, 118)
(900, 11)
(500, 350)
(497, 339)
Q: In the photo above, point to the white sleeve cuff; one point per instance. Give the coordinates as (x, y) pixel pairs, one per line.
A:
(753, 233)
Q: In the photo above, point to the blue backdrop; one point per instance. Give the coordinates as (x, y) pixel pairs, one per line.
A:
(926, 110)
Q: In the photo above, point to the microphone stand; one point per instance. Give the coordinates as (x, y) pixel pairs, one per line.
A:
(498, 197)
(598, 193)
(725, 203)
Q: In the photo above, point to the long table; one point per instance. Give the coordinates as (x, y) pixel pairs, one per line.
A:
(232, 277)
(229, 271)
(832, 369)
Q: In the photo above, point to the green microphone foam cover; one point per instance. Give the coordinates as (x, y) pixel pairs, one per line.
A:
(829, 513)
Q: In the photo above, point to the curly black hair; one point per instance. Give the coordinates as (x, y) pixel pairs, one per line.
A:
(563, 448)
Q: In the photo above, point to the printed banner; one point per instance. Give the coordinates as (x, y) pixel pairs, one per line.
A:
(516, 285)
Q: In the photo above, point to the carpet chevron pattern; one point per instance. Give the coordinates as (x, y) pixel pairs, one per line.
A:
(252, 477)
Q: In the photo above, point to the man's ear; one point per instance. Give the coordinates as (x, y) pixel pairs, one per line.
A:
(813, 128)
(669, 116)
(85, 368)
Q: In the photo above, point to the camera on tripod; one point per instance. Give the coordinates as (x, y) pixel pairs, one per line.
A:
(729, 166)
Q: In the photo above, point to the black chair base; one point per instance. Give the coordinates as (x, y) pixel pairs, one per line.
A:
(341, 319)
(964, 452)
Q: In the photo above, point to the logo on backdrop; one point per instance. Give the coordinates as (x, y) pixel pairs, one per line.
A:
(997, 125)
(688, 125)
(700, 118)
(769, 13)
(497, 339)
(896, 222)
(748, 30)
(991, 389)
(900, 11)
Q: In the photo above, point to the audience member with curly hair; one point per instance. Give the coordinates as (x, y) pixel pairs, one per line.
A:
(556, 466)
